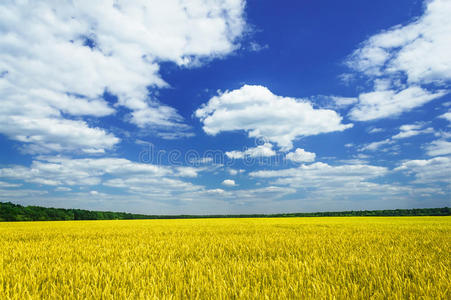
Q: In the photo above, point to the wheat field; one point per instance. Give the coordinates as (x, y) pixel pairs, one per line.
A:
(308, 258)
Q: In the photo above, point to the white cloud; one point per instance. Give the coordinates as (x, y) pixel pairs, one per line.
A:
(262, 114)
(418, 52)
(264, 150)
(376, 130)
(321, 174)
(160, 187)
(406, 131)
(256, 47)
(353, 161)
(57, 171)
(344, 101)
(229, 182)
(261, 195)
(58, 58)
(179, 133)
(376, 145)
(389, 103)
(410, 127)
(438, 147)
(349, 184)
(234, 172)
(8, 195)
(235, 154)
(240, 197)
(203, 160)
(34, 121)
(410, 130)
(9, 185)
(437, 169)
(215, 191)
(51, 134)
(63, 189)
(446, 116)
(346, 78)
(152, 182)
(320, 181)
(300, 155)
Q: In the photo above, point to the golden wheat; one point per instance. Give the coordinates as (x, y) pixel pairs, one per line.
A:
(321, 258)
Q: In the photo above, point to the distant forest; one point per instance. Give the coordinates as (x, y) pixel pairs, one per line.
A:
(15, 212)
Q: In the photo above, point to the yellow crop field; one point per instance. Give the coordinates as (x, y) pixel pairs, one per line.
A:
(307, 258)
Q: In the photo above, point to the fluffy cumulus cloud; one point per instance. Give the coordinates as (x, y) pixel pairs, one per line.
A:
(100, 179)
(420, 49)
(322, 181)
(401, 60)
(62, 171)
(300, 155)
(161, 188)
(389, 103)
(437, 169)
(59, 58)
(256, 110)
(319, 173)
(265, 150)
(229, 182)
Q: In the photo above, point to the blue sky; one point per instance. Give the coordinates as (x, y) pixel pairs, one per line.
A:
(200, 107)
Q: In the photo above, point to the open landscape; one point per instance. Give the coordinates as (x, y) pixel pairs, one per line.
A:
(276, 258)
(225, 149)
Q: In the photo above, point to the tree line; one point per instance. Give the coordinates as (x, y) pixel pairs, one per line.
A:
(16, 212)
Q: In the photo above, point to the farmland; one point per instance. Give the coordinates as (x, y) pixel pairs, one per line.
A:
(342, 257)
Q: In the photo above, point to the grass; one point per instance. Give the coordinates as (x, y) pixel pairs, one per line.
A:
(322, 258)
